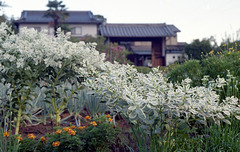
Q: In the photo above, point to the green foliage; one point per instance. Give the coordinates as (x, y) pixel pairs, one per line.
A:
(100, 18)
(143, 69)
(189, 69)
(8, 143)
(220, 62)
(100, 137)
(90, 137)
(221, 137)
(100, 40)
(214, 64)
(195, 49)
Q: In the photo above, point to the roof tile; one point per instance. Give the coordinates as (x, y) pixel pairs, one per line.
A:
(138, 30)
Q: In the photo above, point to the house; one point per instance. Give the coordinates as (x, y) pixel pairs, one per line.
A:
(152, 44)
(82, 23)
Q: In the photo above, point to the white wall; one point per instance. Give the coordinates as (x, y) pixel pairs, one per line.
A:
(86, 29)
(171, 40)
(172, 57)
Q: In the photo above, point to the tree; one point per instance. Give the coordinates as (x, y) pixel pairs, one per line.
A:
(101, 18)
(195, 49)
(58, 12)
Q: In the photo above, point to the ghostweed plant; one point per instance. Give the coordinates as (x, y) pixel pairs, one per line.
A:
(31, 57)
(159, 106)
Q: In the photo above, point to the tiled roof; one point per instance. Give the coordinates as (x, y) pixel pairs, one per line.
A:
(74, 17)
(174, 28)
(138, 30)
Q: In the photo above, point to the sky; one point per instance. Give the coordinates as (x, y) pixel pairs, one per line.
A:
(197, 19)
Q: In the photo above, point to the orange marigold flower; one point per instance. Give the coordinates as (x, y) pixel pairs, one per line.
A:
(66, 129)
(85, 126)
(108, 116)
(19, 138)
(31, 136)
(59, 131)
(73, 127)
(93, 123)
(87, 118)
(6, 134)
(71, 132)
(110, 120)
(81, 127)
(43, 139)
(56, 144)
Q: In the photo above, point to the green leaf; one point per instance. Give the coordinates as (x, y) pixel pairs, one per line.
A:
(141, 114)
(238, 117)
(227, 121)
(133, 114)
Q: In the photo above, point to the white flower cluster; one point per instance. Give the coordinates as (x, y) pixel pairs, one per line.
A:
(40, 48)
(147, 97)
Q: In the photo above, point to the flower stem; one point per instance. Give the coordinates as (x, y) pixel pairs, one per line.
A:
(18, 120)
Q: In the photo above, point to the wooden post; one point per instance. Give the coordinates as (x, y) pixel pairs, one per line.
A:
(158, 54)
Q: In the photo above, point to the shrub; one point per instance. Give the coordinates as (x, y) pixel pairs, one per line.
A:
(213, 64)
(98, 134)
(189, 69)
(143, 69)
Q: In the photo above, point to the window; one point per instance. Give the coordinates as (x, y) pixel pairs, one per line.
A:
(76, 31)
(173, 57)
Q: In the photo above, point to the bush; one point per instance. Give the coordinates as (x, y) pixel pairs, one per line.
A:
(143, 69)
(189, 69)
(99, 134)
(213, 64)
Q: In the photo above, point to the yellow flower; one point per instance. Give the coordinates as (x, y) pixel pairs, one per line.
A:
(108, 116)
(43, 139)
(211, 52)
(56, 144)
(224, 44)
(87, 118)
(230, 48)
(66, 129)
(71, 132)
(93, 123)
(229, 52)
(110, 120)
(73, 127)
(31, 136)
(59, 131)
